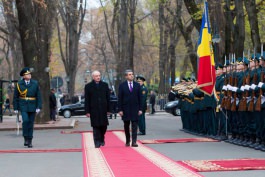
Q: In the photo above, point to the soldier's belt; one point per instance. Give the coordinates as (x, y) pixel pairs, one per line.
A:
(198, 98)
(28, 98)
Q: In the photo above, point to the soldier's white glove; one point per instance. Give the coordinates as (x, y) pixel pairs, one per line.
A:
(229, 87)
(242, 88)
(253, 86)
(37, 111)
(16, 111)
(224, 87)
(247, 87)
(260, 84)
(234, 89)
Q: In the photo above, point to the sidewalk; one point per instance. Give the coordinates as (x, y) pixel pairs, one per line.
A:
(9, 123)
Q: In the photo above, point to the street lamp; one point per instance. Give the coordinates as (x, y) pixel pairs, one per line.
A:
(87, 72)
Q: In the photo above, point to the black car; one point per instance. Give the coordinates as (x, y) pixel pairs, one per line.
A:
(76, 109)
(172, 108)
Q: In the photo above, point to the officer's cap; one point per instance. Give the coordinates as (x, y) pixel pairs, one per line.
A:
(184, 79)
(140, 78)
(219, 66)
(227, 63)
(25, 71)
(255, 57)
(262, 57)
(245, 61)
(239, 60)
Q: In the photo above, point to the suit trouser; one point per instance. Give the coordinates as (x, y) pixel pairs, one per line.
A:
(99, 134)
(52, 113)
(28, 123)
(141, 123)
(127, 130)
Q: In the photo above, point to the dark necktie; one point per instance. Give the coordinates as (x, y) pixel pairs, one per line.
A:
(131, 89)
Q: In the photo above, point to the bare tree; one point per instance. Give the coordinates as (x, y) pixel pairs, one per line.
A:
(11, 19)
(253, 21)
(72, 13)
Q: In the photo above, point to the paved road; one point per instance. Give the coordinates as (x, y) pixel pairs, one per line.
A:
(69, 164)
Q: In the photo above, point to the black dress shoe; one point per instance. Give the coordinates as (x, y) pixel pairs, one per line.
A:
(140, 133)
(127, 144)
(26, 141)
(134, 145)
(30, 144)
(102, 143)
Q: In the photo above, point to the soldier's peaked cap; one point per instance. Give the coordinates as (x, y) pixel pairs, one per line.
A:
(24, 71)
(140, 77)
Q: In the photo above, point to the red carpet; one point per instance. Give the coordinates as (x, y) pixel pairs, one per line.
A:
(39, 150)
(180, 140)
(81, 131)
(224, 165)
(114, 159)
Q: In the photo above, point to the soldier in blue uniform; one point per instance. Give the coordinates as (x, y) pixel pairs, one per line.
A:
(144, 92)
(27, 100)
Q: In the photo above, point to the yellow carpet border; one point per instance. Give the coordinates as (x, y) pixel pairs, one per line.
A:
(95, 160)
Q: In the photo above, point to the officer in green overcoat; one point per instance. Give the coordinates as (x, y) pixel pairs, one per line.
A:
(144, 92)
(27, 100)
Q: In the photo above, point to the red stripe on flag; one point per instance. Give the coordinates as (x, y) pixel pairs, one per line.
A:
(206, 75)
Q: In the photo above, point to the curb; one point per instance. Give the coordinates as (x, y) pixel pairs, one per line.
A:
(64, 125)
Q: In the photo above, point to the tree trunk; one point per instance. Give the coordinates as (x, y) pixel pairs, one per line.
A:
(13, 38)
(35, 34)
(253, 21)
(73, 18)
(162, 48)
(239, 35)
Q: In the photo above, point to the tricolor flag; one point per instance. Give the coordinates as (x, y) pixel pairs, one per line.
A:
(206, 72)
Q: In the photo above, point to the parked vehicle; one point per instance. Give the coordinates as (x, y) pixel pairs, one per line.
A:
(76, 109)
(172, 108)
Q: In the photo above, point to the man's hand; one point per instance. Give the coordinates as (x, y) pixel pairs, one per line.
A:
(140, 113)
(87, 114)
(108, 113)
(121, 113)
(16, 111)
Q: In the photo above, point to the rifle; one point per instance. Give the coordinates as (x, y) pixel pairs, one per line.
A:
(225, 94)
(243, 102)
(233, 107)
(251, 102)
(229, 94)
(258, 103)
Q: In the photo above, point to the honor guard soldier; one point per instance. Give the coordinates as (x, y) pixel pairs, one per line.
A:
(218, 88)
(144, 91)
(260, 106)
(27, 100)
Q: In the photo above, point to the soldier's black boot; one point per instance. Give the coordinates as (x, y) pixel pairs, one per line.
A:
(262, 147)
(26, 141)
(30, 143)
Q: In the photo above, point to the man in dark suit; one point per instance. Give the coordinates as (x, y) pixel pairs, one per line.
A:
(53, 105)
(129, 105)
(97, 107)
(27, 100)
